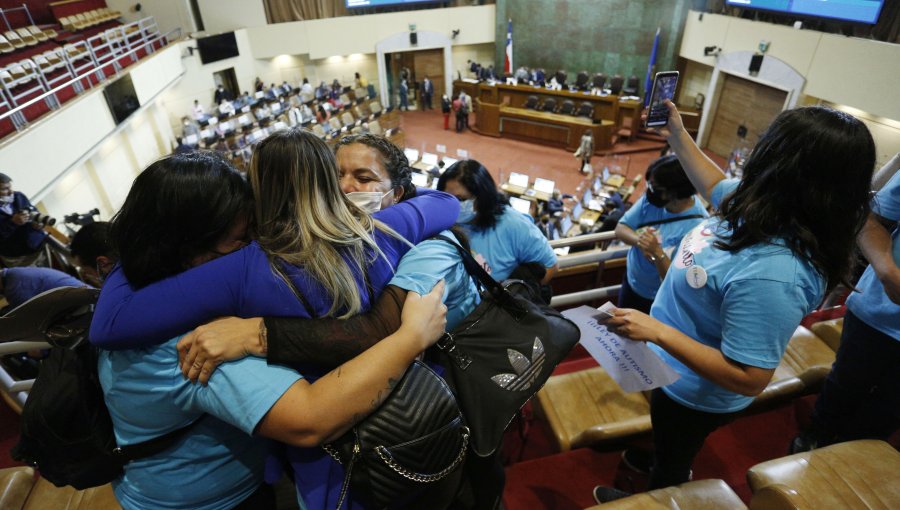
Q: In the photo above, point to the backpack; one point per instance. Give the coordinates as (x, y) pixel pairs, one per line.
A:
(67, 432)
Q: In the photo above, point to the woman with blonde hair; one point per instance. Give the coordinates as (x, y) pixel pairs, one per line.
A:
(316, 254)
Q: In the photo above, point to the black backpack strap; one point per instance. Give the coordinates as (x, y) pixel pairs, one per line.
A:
(126, 454)
(669, 220)
(481, 277)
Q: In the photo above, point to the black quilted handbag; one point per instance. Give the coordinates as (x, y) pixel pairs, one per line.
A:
(502, 353)
(414, 439)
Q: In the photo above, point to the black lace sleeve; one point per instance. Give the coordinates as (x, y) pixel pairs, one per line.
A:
(330, 342)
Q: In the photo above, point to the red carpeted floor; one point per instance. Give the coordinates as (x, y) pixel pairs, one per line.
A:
(564, 481)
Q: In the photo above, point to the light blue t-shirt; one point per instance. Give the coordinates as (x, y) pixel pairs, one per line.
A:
(513, 241)
(421, 268)
(642, 274)
(215, 465)
(869, 302)
(748, 308)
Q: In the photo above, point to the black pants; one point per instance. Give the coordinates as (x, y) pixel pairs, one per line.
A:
(460, 122)
(678, 435)
(628, 298)
(861, 396)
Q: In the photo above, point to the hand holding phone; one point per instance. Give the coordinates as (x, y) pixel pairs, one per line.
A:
(663, 88)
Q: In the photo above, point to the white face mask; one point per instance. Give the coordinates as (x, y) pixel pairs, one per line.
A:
(8, 199)
(466, 211)
(369, 201)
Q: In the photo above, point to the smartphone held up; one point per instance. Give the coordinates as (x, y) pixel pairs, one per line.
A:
(664, 84)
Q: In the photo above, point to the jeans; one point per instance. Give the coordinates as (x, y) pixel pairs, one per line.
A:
(678, 435)
(861, 396)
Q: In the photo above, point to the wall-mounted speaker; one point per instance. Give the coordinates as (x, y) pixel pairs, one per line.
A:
(413, 38)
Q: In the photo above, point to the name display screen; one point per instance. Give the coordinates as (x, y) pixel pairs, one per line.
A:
(860, 11)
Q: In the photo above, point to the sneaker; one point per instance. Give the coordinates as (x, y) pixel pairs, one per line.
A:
(638, 459)
(603, 494)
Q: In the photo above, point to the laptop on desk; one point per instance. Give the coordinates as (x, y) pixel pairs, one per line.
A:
(517, 183)
(543, 188)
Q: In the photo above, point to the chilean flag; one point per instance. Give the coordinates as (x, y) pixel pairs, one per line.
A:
(508, 64)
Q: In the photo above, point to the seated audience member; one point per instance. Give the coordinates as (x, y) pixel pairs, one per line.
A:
(741, 282)
(286, 88)
(555, 204)
(272, 92)
(522, 75)
(263, 112)
(189, 128)
(653, 227)
(331, 260)
(322, 91)
(306, 90)
(306, 114)
(20, 237)
(502, 238)
(200, 114)
(225, 108)
(19, 284)
(223, 452)
(93, 253)
(861, 395)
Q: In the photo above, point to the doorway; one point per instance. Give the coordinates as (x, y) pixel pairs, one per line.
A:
(416, 65)
(733, 115)
(228, 79)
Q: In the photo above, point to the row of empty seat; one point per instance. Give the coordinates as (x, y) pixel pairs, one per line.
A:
(853, 475)
(88, 19)
(11, 40)
(567, 107)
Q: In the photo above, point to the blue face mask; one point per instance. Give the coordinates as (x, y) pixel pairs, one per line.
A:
(466, 211)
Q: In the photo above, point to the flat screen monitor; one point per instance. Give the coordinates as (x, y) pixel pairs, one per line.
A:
(586, 198)
(565, 225)
(121, 98)
(605, 174)
(576, 211)
(544, 185)
(420, 180)
(411, 154)
(217, 47)
(517, 179)
(382, 3)
(521, 205)
(598, 184)
(859, 11)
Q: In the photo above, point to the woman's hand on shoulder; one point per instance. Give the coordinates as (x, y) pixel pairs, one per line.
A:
(227, 339)
(424, 317)
(635, 325)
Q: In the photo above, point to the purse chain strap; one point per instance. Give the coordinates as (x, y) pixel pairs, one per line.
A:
(388, 459)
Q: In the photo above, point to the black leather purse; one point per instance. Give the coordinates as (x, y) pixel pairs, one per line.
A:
(499, 356)
(414, 439)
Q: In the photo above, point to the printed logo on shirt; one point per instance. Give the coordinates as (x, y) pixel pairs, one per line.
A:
(692, 244)
(483, 263)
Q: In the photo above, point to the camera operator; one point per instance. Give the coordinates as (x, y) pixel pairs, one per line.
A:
(21, 226)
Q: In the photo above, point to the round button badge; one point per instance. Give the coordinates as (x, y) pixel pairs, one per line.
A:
(696, 277)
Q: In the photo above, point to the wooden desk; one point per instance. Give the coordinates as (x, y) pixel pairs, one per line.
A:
(605, 107)
(544, 127)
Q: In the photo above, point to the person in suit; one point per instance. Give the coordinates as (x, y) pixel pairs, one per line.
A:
(427, 93)
(404, 95)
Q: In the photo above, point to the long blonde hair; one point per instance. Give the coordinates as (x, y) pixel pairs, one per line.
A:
(304, 219)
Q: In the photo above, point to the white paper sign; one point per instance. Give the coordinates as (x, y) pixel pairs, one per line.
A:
(442, 149)
(631, 364)
(462, 153)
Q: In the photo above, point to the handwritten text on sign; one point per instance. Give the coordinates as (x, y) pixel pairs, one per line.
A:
(631, 364)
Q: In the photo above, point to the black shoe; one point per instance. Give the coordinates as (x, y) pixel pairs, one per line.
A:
(603, 494)
(804, 442)
(638, 459)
